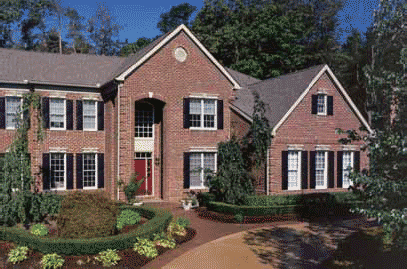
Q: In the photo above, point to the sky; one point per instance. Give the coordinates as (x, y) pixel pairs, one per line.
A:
(140, 18)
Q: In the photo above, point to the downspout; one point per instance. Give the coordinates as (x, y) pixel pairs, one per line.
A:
(118, 139)
(267, 173)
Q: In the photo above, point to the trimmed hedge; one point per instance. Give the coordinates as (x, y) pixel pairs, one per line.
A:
(251, 210)
(159, 220)
(271, 200)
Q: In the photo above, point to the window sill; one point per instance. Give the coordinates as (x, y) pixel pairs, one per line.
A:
(202, 129)
(197, 188)
(321, 188)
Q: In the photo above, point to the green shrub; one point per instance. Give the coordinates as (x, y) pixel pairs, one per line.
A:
(87, 215)
(145, 247)
(127, 217)
(133, 187)
(271, 200)
(51, 203)
(18, 254)
(39, 229)
(164, 240)
(252, 210)
(177, 229)
(205, 197)
(52, 261)
(239, 218)
(183, 222)
(108, 257)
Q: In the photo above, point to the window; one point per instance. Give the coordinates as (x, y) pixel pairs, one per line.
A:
(202, 113)
(321, 171)
(144, 125)
(57, 171)
(89, 171)
(294, 170)
(13, 106)
(321, 104)
(198, 163)
(57, 113)
(347, 165)
(89, 115)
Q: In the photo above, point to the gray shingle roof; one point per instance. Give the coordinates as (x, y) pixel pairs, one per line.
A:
(279, 93)
(241, 78)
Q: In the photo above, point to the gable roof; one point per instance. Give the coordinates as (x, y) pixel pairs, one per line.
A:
(164, 40)
(243, 79)
(283, 94)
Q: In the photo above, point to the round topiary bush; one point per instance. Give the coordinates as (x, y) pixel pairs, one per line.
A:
(87, 215)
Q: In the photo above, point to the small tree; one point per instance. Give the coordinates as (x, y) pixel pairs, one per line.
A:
(231, 182)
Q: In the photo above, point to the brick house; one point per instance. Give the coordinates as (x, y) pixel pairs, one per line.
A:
(161, 112)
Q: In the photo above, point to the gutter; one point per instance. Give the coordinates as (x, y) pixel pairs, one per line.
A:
(267, 173)
(119, 86)
(97, 85)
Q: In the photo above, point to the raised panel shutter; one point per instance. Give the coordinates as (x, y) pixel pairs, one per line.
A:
(356, 160)
(26, 114)
(2, 113)
(101, 170)
(339, 169)
(331, 169)
(69, 171)
(45, 112)
(220, 114)
(314, 106)
(304, 170)
(79, 183)
(312, 169)
(79, 115)
(45, 171)
(186, 170)
(330, 105)
(284, 170)
(69, 114)
(101, 117)
(186, 113)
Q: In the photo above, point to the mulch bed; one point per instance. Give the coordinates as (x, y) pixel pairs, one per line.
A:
(129, 258)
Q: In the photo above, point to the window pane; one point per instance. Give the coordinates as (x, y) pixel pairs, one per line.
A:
(209, 121)
(89, 170)
(321, 103)
(346, 167)
(293, 169)
(57, 173)
(195, 106)
(13, 105)
(320, 168)
(195, 172)
(209, 107)
(57, 112)
(144, 121)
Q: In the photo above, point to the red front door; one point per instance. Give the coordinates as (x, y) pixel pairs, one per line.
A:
(144, 169)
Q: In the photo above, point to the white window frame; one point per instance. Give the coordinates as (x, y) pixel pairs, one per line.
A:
(298, 187)
(96, 171)
(350, 183)
(96, 115)
(325, 112)
(153, 127)
(50, 179)
(202, 127)
(325, 186)
(57, 128)
(21, 105)
(202, 174)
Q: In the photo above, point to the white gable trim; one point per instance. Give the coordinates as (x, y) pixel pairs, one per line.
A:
(316, 78)
(180, 28)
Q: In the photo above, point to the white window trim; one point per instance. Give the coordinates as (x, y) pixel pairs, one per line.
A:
(203, 187)
(58, 189)
(202, 116)
(325, 105)
(96, 172)
(299, 171)
(96, 117)
(325, 186)
(352, 165)
(21, 105)
(57, 128)
(153, 128)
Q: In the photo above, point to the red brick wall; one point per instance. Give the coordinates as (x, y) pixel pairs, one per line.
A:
(312, 130)
(170, 81)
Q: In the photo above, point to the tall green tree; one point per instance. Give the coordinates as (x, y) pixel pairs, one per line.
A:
(135, 46)
(180, 14)
(76, 29)
(11, 11)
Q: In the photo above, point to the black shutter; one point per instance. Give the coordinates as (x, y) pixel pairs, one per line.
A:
(314, 107)
(312, 169)
(339, 169)
(220, 114)
(186, 113)
(26, 114)
(2, 113)
(330, 105)
(45, 112)
(356, 161)
(186, 170)
(69, 171)
(45, 171)
(79, 163)
(69, 114)
(79, 115)
(331, 169)
(304, 170)
(284, 170)
(101, 170)
(101, 117)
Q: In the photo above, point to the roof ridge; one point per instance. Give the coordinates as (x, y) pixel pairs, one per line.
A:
(298, 71)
